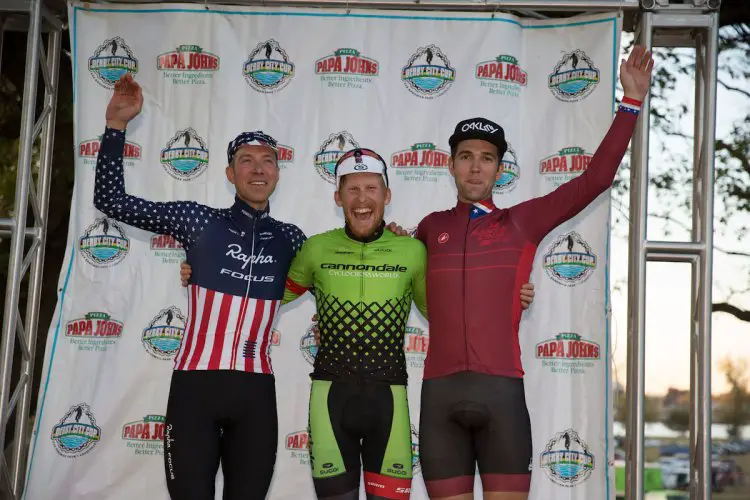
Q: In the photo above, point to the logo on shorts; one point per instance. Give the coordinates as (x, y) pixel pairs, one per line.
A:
(104, 243)
(298, 444)
(186, 155)
(77, 433)
(425, 79)
(565, 165)
(566, 459)
(145, 436)
(568, 353)
(188, 65)
(110, 61)
(422, 162)
(167, 248)
(569, 260)
(95, 331)
(416, 342)
(574, 77)
(330, 151)
(268, 68)
(347, 68)
(88, 150)
(509, 178)
(308, 346)
(163, 335)
(501, 76)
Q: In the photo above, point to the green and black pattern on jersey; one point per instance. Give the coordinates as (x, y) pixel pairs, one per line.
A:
(363, 292)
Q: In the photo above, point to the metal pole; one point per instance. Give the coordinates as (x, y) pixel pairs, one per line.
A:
(637, 291)
(23, 172)
(21, 440)
(709, 46)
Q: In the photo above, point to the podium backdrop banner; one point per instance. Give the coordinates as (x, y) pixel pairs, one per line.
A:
(320, 81)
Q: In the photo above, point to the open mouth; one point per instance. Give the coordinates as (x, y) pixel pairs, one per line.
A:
(362, 214)
(258, 183)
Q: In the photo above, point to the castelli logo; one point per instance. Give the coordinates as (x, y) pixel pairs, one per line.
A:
(443, 238)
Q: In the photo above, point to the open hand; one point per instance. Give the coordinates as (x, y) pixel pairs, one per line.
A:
(635, 73)
(125, 104)
(396, 229)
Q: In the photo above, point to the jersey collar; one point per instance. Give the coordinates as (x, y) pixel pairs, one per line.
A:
(367, 239)
(244, 212)
(477, 209)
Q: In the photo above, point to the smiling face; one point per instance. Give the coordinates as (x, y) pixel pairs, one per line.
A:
(254, 172)
(363, 197)
(476, 168)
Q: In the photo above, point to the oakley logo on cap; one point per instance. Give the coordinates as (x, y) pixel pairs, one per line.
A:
(360, 166)
(482, 127)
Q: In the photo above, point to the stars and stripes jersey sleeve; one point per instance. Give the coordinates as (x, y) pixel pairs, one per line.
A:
(537, 217)
(184, 220)
(301, 276)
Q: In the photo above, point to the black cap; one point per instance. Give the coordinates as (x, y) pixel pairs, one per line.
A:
(480, 128)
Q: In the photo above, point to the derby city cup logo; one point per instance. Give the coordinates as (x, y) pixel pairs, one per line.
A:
(416, 343)
(145, 436)
(298, 444)
(163, 335)
(569, 260)
(89, 149)
(104, 243)
(428, 73)
(330, 151)
(422, 162)
(167, 249)
(346, 68)
(501, 76)
(509, 178)
(564, 165)
(188, 65)
(566, 459)
(186, 155)
(268, 68)
(568, 353)
(76, 433)
(308, 346)
(95, 331)
(415, 463)
(574, 77)
(110, 61)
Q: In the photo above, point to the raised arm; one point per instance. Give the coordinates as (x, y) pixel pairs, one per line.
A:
(184, 220)
(537, 217)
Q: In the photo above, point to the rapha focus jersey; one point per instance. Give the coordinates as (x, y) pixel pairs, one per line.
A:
(363, 292)
(239, 256)
(479, 256)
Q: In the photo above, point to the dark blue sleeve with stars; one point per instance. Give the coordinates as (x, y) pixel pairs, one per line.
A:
(184, 220)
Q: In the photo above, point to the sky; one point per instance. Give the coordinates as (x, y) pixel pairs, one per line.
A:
(668, 284)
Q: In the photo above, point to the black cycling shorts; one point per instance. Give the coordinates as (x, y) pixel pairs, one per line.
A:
(221, 415)
(469, 418)
(349, 420)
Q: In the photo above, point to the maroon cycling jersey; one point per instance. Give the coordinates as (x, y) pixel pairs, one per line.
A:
(480, 255)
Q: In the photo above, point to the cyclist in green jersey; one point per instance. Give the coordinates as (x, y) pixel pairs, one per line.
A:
(364, 280)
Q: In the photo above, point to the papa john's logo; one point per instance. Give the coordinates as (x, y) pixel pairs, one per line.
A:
(564, 165)
(423, 161)
(94, 331)
(330, 151)
(566, 459)
(346, 68)
(509, 178)
(188, 65)
(110, 61)
(145, 436)
(186, 155)
(89, 149)
(416, 343)
(501, 76)
(574, 77)
(425, 79)
(568, 353)
(167, 248)
(298, 444)
(163, 335)
(266, 73)
(104, 243)
(308, 346)
(569, 260)
(76, 433)
(285, 155)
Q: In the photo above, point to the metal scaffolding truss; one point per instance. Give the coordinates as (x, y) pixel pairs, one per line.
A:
(659, 23)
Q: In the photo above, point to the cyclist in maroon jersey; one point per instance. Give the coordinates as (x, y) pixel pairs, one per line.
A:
(473, 409)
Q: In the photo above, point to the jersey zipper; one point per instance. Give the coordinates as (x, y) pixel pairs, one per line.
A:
(247, 294)
(360, 340)
(463, 296)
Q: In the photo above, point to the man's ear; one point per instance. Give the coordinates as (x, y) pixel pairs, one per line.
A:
(337, 198)
(230, 173)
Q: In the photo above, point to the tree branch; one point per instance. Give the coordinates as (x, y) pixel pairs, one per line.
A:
(733, 89)
(740, 314)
